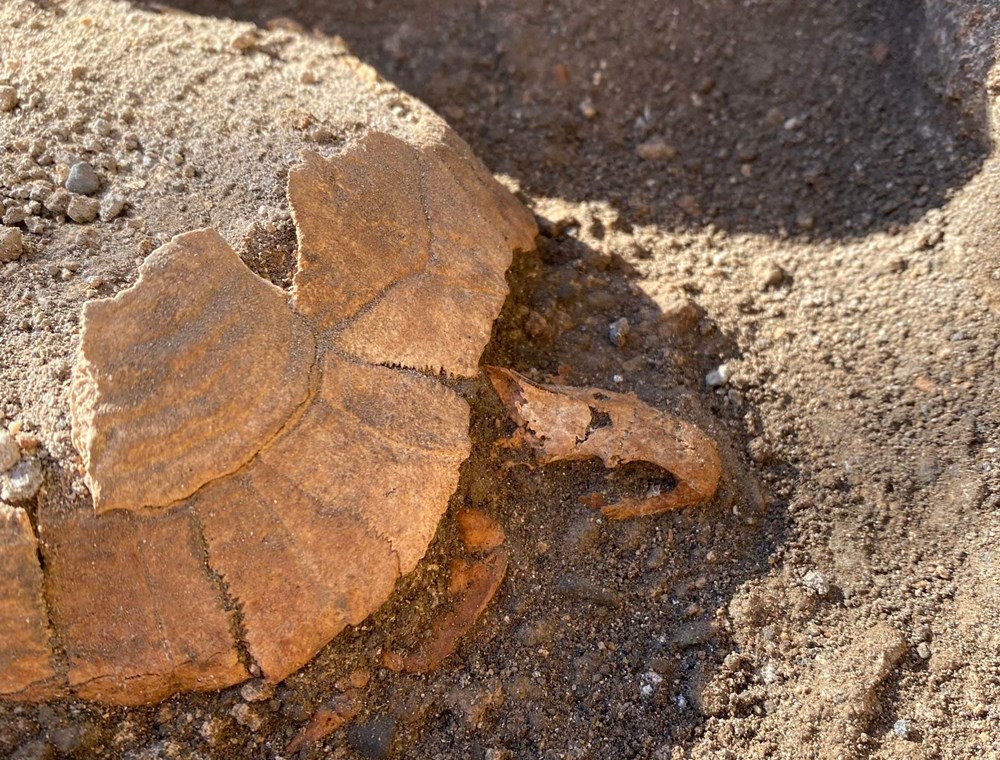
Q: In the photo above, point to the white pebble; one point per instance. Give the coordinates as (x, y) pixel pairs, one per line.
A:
(111, 206)
(22, 482)
(719, 376)
(816, 582)
(649, 682)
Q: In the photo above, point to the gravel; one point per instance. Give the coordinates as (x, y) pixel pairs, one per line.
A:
(816, 582)
(82, 209)
(22, 482)
(769, 275)
(10, 452)
(58, 201)
(718, 376)
(11, 244)
(8, 99)
(656, 149)
(82, 179)
(111, 206)
(618, 332)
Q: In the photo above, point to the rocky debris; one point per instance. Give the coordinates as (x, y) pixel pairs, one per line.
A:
(769, 275)
(22, 481)
(679, 315)
(11, 244)
(246, 716)
(82, 179)
(719, 376)
(656, 148)
(689, 205)
(8, 98)
(112, 206)
(816, 582)
(36, 749)
(58, 201)
(10, 452)
(618, 332)
(82, 209)
(257, 690)
(15, 215)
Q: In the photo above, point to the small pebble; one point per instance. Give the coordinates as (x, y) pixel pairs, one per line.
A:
(374, 738)
(8, 99)
(816, 582)
(58, 201)
(618, 332)
(689, 205)
(588, 110)
(82, 179)
(245, 42)
(246, 716)
(82, 209)
(35, 225)
(656, 149)
(768, 275)
(111, 206)
(10, 452)
(15, 215)
(649, 682)
(924, 650)
(719, 376)
(11, 244)
(22, 482)
(901, 728)
(759, 450)
(257, 690)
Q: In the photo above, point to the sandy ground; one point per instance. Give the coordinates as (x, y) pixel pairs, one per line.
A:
(817, 214)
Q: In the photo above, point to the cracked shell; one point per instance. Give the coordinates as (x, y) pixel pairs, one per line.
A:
(265, 465)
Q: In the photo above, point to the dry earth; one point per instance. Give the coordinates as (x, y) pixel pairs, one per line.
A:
(817, 213)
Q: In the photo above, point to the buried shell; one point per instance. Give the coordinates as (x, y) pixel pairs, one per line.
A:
(262, 463)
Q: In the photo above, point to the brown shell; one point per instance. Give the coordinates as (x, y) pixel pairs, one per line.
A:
(264, 467)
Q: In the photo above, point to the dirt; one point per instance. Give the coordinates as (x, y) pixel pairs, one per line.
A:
(827, 230)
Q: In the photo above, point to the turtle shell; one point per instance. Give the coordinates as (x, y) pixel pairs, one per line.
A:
(264, 465)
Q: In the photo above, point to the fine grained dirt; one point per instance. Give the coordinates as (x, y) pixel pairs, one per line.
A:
(827, 230)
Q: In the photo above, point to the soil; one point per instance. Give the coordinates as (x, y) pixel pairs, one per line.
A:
(824, 225)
